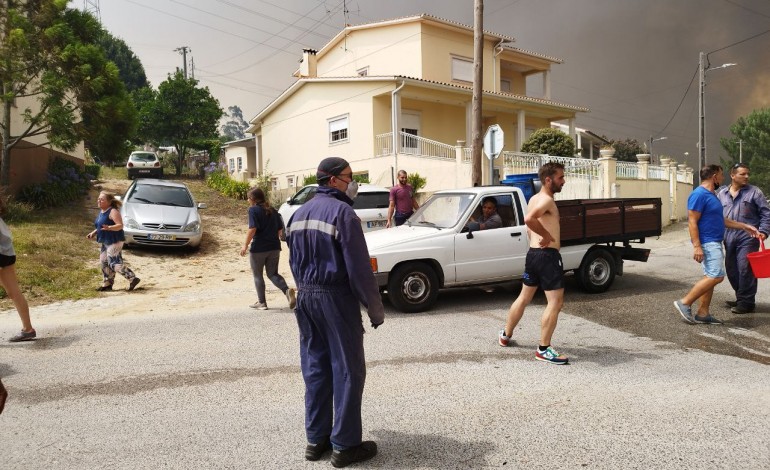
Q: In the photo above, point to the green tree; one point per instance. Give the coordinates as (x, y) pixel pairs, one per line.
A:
(760, 172)
(144, 101)
(626, 150)
(130, 67)
(54, 74)
(235, 127)
(551, 142)
(754, 131)
(182, 114)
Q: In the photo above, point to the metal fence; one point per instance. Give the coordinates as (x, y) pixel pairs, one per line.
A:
(519, 162)
(627, 170)
(655, 172)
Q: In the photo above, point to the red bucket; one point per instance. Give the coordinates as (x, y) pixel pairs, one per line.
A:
(760, 261)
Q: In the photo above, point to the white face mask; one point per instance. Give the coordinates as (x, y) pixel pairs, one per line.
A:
(352, 190)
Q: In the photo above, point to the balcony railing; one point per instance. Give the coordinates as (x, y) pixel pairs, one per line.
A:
(413, 145)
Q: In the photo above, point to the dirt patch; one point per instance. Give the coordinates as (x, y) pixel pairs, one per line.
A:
(214, 274)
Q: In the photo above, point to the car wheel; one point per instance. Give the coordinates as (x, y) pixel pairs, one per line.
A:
(597, 271)
(413, 287)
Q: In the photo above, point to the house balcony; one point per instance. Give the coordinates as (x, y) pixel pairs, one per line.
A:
(413, 145)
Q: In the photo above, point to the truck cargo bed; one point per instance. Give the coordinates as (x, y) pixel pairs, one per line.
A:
(608, 220)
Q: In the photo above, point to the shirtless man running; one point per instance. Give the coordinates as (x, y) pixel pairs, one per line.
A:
(543, 267)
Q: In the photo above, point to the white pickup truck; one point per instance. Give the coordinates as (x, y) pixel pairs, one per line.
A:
(435, 249)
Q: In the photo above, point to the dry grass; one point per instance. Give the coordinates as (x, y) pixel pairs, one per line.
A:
(56, 262)
(54, 259)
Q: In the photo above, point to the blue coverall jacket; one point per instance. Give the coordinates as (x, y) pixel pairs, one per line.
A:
(330, 264)
(750, 207)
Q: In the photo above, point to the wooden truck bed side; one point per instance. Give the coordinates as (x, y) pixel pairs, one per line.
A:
(608, 220)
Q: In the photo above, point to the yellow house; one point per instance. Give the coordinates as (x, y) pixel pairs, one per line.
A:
(30, 157)
(411, 74)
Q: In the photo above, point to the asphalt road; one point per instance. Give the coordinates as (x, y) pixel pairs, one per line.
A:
(221, 387)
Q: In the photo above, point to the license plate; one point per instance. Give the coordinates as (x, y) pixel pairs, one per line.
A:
(376, 223)
(160, 236)
(144, 171)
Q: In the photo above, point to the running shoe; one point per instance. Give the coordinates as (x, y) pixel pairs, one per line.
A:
(684, 311)
(504, 340)
(551, 355)
(708, 320)
(23, 336)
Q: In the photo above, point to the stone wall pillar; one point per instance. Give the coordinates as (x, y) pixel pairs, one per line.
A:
(643, 160)
(608, 175)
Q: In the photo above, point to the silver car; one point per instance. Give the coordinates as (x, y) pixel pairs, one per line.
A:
(161, 213)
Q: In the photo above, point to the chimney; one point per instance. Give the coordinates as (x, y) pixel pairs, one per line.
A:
(308, 66)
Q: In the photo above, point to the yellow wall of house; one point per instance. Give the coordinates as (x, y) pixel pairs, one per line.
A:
(518, 81)
(413, 50)
(441, 122)
(295, 137)
(439, 45)
(392, 50)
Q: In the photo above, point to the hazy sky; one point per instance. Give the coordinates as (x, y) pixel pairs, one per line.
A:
(629, 61)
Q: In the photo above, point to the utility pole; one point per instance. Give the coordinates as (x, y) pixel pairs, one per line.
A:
(192, 67)
(701, 112)
(183, 50)
(478, 69)
(702, 104)
(740, 150)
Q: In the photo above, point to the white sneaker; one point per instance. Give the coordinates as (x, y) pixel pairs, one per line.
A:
(259, 305)
(291, 296)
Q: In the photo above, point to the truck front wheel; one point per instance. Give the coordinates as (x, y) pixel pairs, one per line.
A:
(597, 271)
(413, 287)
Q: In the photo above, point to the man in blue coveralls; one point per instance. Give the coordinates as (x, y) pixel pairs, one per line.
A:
(330, 264)
(743, 202)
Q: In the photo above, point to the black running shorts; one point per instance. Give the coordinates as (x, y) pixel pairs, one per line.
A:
(6, 261)
(543, 268)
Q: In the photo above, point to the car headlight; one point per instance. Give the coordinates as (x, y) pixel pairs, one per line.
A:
(193, 226)
(131, 223)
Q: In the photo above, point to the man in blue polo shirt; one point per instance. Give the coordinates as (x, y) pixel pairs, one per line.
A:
(707, 224)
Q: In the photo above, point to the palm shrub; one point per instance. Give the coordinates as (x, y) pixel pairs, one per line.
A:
(416, 181)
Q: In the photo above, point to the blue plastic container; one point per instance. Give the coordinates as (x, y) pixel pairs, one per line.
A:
(529, 183)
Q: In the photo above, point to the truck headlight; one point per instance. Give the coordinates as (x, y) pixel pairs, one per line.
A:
(373, 262)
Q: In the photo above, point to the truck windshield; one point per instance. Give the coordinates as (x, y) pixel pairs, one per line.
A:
(442, 210)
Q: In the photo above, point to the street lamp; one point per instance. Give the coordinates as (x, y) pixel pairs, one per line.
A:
(740, 150)
(702, 106)
(655, 140)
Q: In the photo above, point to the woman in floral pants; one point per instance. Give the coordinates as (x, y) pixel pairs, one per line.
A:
(109, 232)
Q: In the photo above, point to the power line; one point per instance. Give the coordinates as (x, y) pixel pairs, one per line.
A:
(692, 80)
(203, 25)
(301, 36)
(273, 54)
(739, 42)
(747, 8)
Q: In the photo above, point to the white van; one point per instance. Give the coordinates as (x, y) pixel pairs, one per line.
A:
(371, 205)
